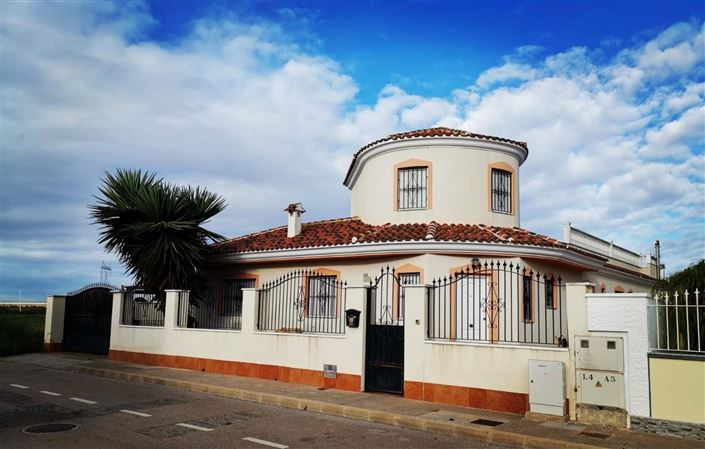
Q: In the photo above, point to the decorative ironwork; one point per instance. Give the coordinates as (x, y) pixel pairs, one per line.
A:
(303, 301)
(219, 306)
(677, 322)
(142, 308)
(384, 355)
(413, 188)
(501, 191)
(497, 302)
(87, 318)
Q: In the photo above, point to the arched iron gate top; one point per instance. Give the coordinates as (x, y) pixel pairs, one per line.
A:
(91, 286)
(385, 274)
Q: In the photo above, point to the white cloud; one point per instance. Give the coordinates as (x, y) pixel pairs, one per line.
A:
(676, 138)
(507, 72)
(242, 109)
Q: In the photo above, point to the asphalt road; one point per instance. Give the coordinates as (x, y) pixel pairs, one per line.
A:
(119, 414)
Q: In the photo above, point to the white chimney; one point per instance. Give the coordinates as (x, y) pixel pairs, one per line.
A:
(294, 225)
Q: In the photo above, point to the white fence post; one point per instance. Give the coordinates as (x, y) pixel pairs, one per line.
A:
(171, 306)
(249, 310)
(54, 323)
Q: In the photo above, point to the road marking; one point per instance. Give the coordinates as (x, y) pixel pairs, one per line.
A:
(50, 393)
(265, 442)
(191, 426)
(85, 401)
(132, 412)
(24, 387)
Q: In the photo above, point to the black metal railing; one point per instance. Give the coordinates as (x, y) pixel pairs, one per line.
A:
(142, 308)
(498, 302)
(219, 306)
(303, 301)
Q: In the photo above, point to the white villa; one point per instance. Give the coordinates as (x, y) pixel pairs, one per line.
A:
(430, 289)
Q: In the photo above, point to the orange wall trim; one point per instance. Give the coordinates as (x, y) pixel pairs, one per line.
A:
(53, 347)
(498, 401)
(314, 378)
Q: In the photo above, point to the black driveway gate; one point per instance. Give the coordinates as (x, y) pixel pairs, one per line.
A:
(384, 349)
(87, 319)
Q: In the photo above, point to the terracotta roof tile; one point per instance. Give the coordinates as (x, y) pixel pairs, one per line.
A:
(342, 231)
(431, 132)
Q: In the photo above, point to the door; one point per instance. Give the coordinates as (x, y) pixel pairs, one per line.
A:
(87, 319)
(471, 300)
(384, 348)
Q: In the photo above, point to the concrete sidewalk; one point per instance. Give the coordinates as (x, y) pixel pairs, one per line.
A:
(385, 409)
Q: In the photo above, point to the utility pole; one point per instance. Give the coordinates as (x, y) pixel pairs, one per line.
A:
(657, 247)
(20, 300)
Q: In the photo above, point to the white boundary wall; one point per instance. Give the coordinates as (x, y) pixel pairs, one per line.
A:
(305, 351)
(625, 315)
(496, 367)
(500, 367)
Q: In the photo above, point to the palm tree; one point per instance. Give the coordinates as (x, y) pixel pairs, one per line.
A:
(156, 227)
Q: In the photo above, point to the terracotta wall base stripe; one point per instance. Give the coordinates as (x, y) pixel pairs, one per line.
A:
(314, 378)
(498, 401)
(53, 347)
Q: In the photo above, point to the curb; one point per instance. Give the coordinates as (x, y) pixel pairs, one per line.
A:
(395, 419)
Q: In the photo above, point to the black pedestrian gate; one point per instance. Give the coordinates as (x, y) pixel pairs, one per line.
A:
(87, 317)
(384, 348)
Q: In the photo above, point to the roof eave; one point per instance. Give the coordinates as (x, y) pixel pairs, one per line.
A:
(361, 158)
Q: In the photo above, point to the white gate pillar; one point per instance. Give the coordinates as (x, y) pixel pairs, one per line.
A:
(577, 319)
(54, 323)
(414, 338)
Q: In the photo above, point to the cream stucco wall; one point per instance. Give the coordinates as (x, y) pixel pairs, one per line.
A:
(677, 389)
(459, 187)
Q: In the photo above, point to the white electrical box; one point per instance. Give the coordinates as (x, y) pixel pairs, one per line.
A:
(599, 353)
(600, 370)
(546, 387)
(605, 388)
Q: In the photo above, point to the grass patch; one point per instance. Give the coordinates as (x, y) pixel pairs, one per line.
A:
(23, 332)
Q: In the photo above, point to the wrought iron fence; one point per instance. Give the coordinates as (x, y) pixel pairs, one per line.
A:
(498, 302)
(219, 306)
(142, 308)
(677, 322)
(303, 301)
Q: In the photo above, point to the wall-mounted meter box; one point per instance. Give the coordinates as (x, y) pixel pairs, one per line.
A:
(605, 388)
(599, 353)
(546, 387)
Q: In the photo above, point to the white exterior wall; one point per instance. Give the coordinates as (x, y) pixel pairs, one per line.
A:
(625, 315)
(459, 186)
(498, 367)
(304, 351)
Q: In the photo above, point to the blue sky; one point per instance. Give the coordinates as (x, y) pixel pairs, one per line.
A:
(265, 102)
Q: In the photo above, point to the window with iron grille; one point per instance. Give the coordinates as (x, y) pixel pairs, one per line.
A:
(501, 191)
(413, 188)
(232, 295)
(406, 279)
(549, 293)
(322, 296)
(526, 299)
